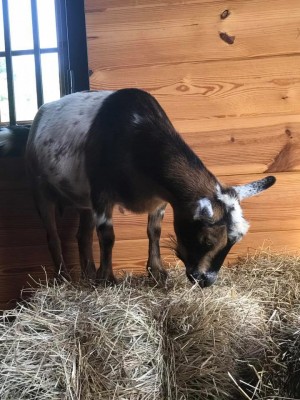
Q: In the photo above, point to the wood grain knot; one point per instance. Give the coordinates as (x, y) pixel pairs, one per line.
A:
(289, 133)
(225, 14)
(282, 161)
(182, 88)
(227, 38)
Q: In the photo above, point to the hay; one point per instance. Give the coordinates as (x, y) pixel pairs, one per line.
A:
(82, 344)
(274, 279)
(239, 339)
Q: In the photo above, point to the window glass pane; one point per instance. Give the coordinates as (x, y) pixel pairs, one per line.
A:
(4, 111)
(20, 24)
(1, 29)
(25, 87)
(47, 23)
(50, 75)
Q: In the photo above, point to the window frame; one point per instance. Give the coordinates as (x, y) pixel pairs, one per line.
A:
(73, 63)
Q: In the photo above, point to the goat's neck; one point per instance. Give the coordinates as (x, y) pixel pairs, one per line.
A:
(188, 183)
(184, 176)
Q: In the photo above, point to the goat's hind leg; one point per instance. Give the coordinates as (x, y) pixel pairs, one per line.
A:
(46, 208)
(85, 244)
(154, 264)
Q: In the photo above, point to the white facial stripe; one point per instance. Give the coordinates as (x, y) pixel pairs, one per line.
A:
(239, 226)
(206, 205)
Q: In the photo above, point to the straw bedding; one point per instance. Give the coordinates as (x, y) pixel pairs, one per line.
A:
(239, 339)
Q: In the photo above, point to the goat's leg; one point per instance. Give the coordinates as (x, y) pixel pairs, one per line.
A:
(85, 244)
(106, 236)
(46, 209)
(154, 264)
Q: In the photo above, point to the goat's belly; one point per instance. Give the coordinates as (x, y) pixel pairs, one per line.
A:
(143, 205)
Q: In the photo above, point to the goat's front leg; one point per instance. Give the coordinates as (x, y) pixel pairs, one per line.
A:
(154, 264)
(106, 236)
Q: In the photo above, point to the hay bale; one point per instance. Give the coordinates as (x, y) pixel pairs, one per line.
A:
(207, 337)
(77, 343)
(274, 280)
(236, 340)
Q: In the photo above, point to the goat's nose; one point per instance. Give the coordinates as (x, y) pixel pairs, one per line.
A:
(204, 279)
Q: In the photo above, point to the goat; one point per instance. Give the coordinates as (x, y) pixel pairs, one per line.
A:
(98, 149)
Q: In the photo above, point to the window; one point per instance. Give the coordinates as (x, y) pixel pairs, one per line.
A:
(43, 55)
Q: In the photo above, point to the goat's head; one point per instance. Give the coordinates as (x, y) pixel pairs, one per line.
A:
(206, 233)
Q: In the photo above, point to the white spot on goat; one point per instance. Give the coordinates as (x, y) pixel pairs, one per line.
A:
(204, 208)
(61, 131)
(239, 226)
(102, 220)
(162, 213)
(136, 118)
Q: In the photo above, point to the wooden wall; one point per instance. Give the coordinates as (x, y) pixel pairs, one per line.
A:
(230, 85)
(228, 75)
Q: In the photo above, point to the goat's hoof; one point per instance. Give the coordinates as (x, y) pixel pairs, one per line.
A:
(89, 274)
(105, 282)
(105, 279)
(159, 275)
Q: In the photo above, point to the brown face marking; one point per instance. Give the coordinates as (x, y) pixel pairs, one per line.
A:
(209, 241)
(214, 239)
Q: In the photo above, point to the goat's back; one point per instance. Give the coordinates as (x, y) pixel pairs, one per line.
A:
(115, 142)
(56, 143)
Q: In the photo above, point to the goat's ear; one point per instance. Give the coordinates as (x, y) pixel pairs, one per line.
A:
(203, 209)
(253, 188)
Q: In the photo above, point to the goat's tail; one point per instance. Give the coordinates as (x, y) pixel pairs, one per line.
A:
(13, 140)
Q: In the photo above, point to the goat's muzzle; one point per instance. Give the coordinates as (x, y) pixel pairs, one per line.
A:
(204, 279)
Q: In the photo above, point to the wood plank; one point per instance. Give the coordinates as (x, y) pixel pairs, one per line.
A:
(95, 5)
(172, 32)
(229, 89)
(274, 217)
(130, 256)
(273, 148)
(276, 208)
(186, 125)
(243, 151)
